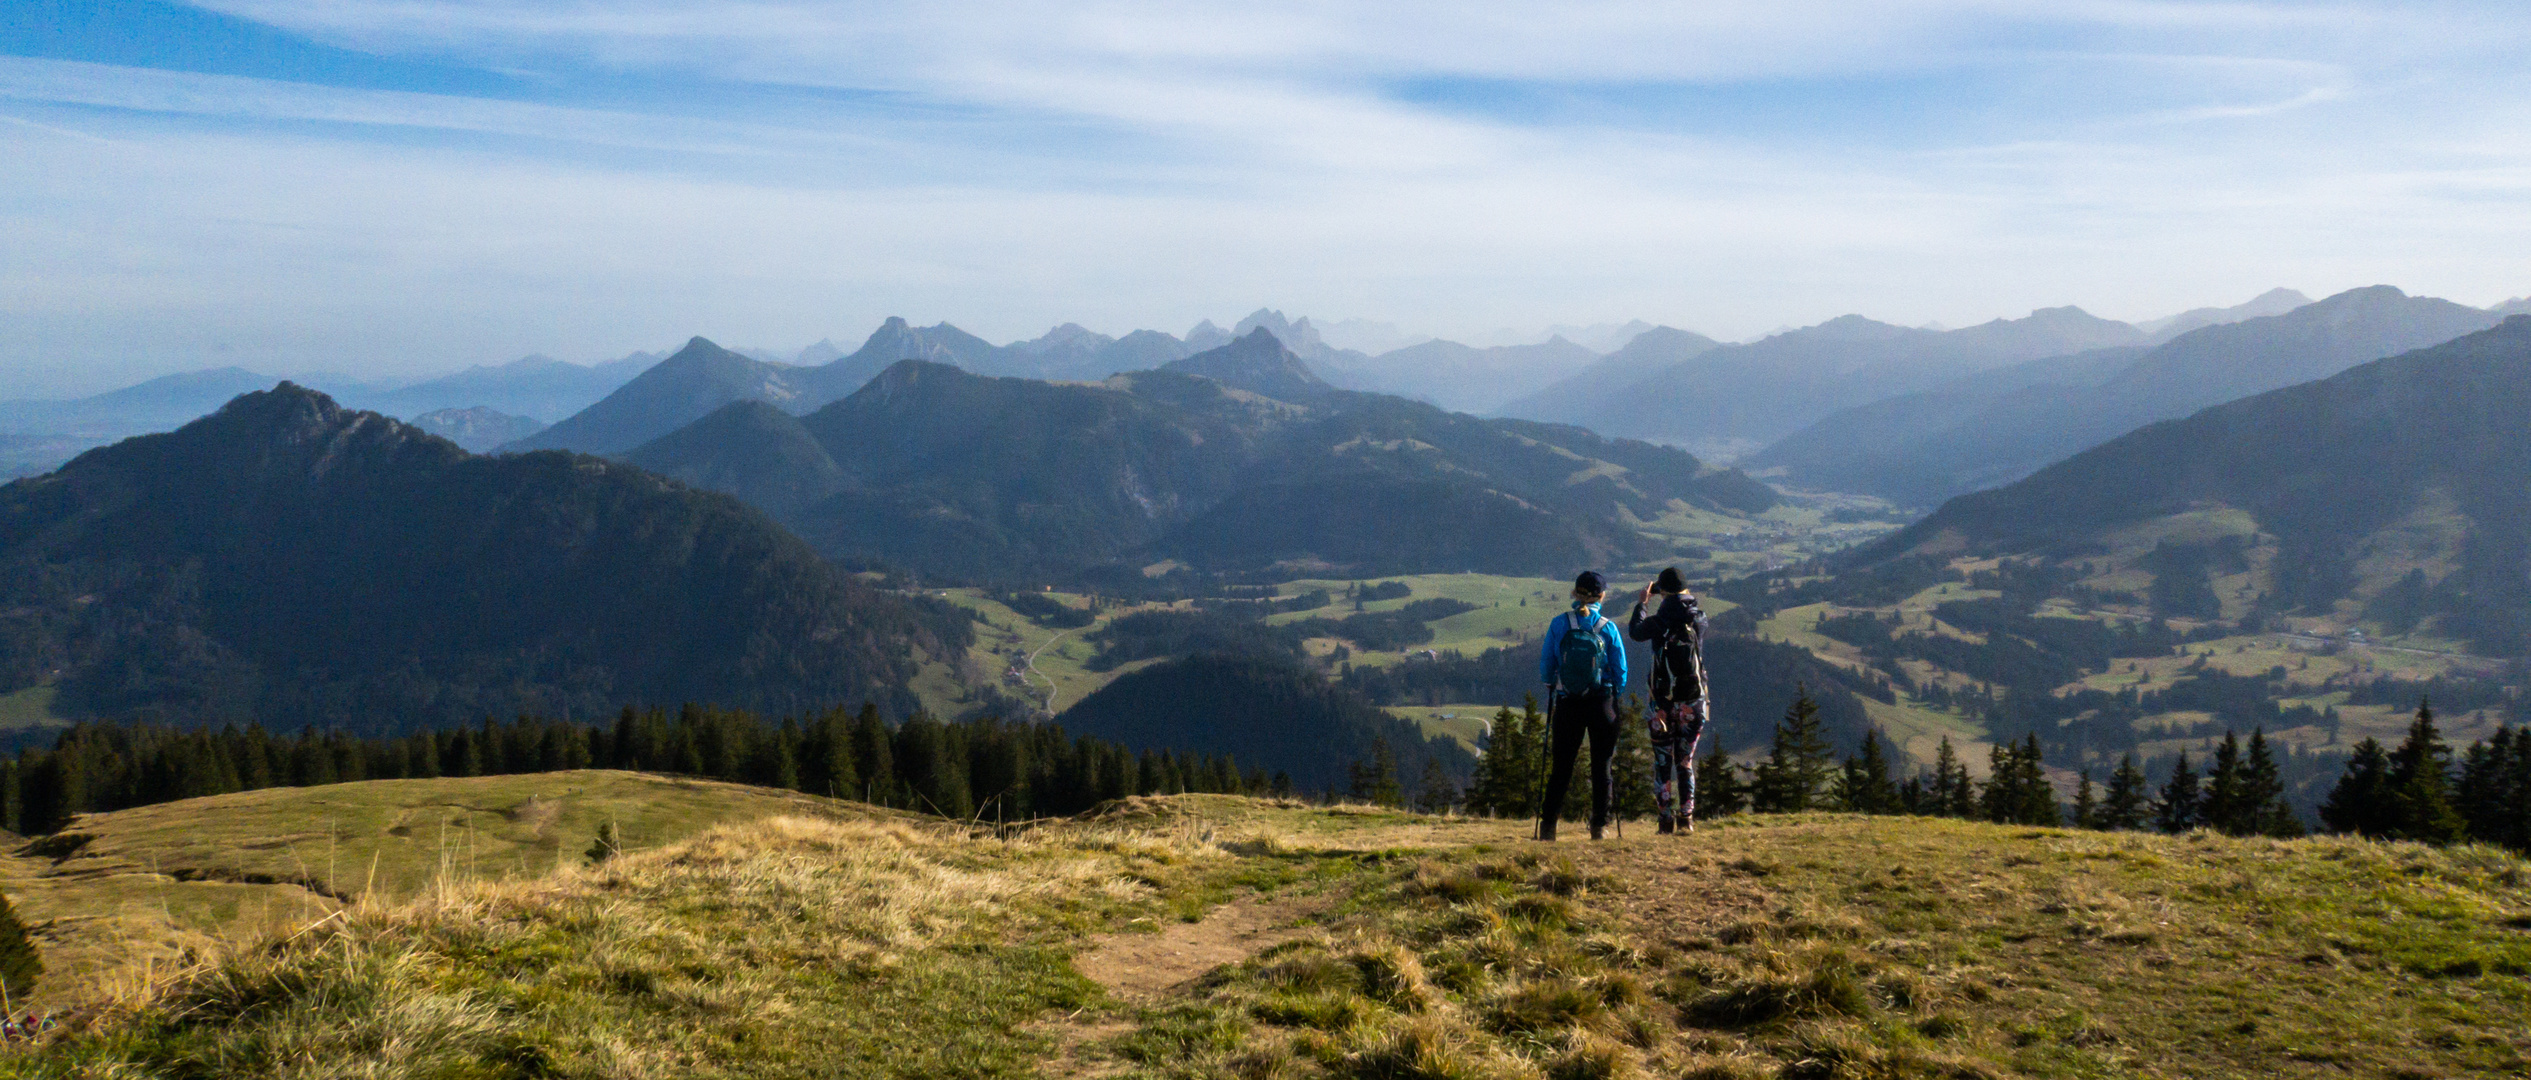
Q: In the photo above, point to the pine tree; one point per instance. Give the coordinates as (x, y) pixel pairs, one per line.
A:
(2179, 808)
(2360, 802)
(1630, 767)
(2420, 785)
(20, 965)
(875, 753)
(1955, 792)
(1375, 781)
(1507, 769)
(2126, 804)
(2264, 788)
(2086, 804)
(2227, 805)
(1721, 786)
(1435, 794)
(2038, 805)
(1863, 784)
(1796, 771)
(2484, 787)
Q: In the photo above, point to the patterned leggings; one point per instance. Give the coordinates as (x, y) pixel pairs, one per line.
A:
(1676, 727)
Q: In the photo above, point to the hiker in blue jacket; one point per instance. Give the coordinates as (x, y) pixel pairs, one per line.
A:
(1583, 664)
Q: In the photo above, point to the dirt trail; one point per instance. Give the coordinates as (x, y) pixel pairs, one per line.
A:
(1140, 967)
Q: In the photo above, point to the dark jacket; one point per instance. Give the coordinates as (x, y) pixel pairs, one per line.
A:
(1676, 628)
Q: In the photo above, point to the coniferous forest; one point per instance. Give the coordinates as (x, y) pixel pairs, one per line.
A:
(963, 769)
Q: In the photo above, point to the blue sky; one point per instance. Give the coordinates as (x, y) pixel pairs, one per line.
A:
(400, 187)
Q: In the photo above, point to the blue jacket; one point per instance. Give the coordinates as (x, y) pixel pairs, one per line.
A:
(1612, 670)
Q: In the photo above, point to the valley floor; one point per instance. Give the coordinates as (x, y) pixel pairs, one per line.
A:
(1217, 936)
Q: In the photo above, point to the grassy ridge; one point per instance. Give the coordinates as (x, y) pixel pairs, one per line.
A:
(1806, 946)
(117, 895)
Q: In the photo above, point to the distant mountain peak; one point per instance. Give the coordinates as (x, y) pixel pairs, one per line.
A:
(1259, 363)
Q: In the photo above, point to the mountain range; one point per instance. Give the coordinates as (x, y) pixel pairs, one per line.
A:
(288, 561)
(1995, 426)
(2395, 493)
(1741, 397)
(1238, 457)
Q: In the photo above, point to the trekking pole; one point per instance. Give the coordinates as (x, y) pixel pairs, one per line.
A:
(1546, 764)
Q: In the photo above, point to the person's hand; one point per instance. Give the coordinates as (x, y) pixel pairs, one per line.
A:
(1646, 595)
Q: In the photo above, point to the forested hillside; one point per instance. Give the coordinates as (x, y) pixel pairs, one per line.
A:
(2394, 494)
(289, 562)
(981, 478)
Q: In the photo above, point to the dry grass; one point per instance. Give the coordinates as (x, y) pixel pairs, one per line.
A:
(790, 946)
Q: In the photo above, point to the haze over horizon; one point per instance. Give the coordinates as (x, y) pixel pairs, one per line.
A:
(395, 188)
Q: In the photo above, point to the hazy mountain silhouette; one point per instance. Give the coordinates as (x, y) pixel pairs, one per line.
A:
(538, 387)
(478, 429)
(1654, 350)
(1767, 389)
(290, 562)
(1467, 379)
(895, 340)
(163, 402)
(677, 391)
(2421, 461)
(2271, 302)
(1997, 427)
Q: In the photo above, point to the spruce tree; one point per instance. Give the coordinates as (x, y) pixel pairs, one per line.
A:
(2420, 785)
(2483, 791)
(1722, 788)
(1798, 764)
(1630, 767)
(2227, 806)
(2263, 787)
(1956, 793)
(2086, 804)
(875, 753)
(2360, 801)
(1863, 783)
(20, 965)
(1435, 794)
(2126, 803)
(2178, 810)
(1375, 781)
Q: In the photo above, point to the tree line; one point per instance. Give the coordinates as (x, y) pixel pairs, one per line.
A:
(2419, 791)
(982, 767)
(2241, 793)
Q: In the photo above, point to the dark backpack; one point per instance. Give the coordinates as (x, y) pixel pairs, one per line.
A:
(1583, 653)
(1675, 668)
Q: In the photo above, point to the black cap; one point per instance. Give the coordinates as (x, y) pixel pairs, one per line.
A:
(1670, 581)
(1590, 582)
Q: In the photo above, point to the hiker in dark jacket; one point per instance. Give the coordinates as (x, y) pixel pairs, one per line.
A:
(1676, 632)
(1583, 664)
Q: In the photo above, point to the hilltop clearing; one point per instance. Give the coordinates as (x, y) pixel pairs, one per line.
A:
(115, 895)
(1371, 944)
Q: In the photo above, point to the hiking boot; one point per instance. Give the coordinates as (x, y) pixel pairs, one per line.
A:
(1667, 826)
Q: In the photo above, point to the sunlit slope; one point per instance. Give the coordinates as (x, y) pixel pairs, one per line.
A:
(137, 887)
(1393, 945)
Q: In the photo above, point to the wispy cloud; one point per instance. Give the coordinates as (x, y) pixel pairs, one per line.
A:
(598, 177)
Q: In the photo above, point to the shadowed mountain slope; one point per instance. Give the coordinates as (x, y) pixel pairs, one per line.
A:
(287, 561)
(1998, 426)
(2420, 462)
